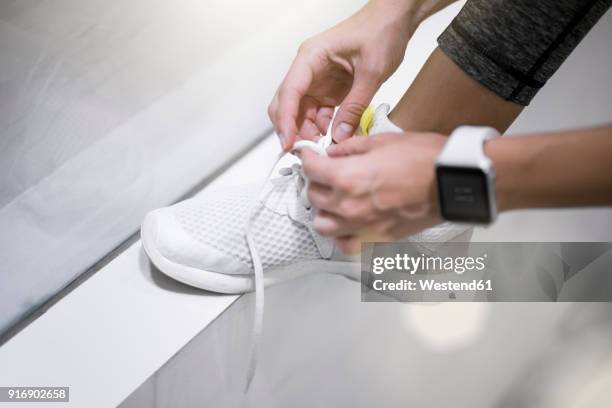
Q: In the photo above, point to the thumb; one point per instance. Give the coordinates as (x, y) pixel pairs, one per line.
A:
(353, 106)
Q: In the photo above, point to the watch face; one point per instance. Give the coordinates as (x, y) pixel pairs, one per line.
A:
(463, 194)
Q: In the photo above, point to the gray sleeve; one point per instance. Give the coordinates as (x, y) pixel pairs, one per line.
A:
(513, 46)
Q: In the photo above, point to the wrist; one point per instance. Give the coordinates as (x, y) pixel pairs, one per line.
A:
(510, 166)
(404, 15)
(421, 9)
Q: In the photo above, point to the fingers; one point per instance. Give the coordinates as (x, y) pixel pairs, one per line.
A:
(354, 145)
(312, 121)
(349, 245)
(324, 117)
(349, 176)
(317, 168)
(352, 107)
(286, 117)
(319, 195)
(328, 224)
(272, 109)
(307, 128)
(337, 203)
(290, 93)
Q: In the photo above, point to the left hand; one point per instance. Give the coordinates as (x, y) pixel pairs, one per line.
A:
(379, 188)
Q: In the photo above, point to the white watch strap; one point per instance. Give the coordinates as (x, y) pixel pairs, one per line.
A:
(465, 147)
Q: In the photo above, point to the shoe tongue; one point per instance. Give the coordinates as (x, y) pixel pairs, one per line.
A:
(381, 123)
(278, 194)
(281, 196)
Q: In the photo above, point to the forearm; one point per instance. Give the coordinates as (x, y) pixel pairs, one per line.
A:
(409, 13)
(561, 169)
(421, 9)
(492, 59)
(443, 97)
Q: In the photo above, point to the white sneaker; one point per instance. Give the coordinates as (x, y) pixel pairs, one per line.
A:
(202, 242)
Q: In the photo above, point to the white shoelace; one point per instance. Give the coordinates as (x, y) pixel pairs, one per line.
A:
(302, 187)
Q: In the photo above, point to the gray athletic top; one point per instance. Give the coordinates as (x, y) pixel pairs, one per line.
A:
(513, 46)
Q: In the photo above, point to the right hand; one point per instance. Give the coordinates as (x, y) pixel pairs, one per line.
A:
(343, 66)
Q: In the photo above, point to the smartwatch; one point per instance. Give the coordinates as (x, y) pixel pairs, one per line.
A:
(466, 177)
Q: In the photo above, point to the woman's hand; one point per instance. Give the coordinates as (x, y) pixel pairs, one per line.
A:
(344, 66)
(378, 188)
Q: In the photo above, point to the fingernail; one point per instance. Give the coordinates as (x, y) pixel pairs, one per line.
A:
(283, 143)
(343, 131)
(332, 149)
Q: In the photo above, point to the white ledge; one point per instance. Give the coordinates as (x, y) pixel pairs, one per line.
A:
(117, 328)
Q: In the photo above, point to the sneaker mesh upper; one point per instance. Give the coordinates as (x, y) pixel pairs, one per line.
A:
(218, 220)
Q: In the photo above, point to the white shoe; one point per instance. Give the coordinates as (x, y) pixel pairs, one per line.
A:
(202, 242)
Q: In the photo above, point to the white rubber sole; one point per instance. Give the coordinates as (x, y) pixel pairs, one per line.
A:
(235, 284)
